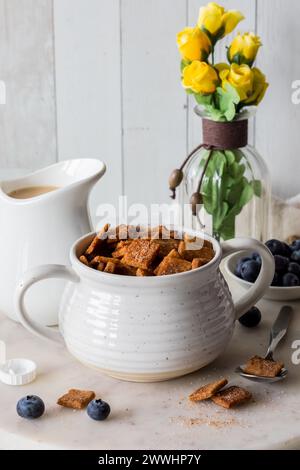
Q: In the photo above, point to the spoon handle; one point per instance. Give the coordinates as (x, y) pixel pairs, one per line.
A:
(279, 329)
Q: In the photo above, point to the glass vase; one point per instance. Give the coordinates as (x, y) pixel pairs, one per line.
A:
(232, 180)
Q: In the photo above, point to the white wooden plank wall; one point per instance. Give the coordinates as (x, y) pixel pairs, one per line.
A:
(27, 120)
(115, 68)
(88, 88)
(278, 119)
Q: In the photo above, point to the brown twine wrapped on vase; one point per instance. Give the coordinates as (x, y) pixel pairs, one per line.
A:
(216, 136)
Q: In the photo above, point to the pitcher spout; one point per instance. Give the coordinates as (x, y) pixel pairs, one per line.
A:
(78, 174)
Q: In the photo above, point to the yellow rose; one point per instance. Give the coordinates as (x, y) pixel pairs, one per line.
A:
(259, 88)
(243, 48)
(239, 76)
(193, 44)
(216, 21)
(200, 77)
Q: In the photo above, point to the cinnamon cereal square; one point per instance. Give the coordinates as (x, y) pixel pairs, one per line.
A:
(189, 251)
(165, 246)
(121, 249)
(76, 399)
(263, 367)
(208, 390)
(143, 272)
(140, 254)
(171, 265)
(231, 396)
(97, 241)
(173, 254)
(110, 267)
(84, 260)
(198, 262)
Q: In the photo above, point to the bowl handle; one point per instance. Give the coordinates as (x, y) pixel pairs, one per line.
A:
(265, 276)
(30, 277)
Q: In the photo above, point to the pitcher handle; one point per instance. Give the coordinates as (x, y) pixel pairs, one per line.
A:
(30, 277)
(265, 276)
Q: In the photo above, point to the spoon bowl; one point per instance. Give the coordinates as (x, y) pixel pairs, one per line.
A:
(278, 331)
(256, 378)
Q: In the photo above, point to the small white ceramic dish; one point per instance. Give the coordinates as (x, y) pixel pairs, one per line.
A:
(272, 293)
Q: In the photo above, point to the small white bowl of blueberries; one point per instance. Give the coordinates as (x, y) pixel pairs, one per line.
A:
(244, 268)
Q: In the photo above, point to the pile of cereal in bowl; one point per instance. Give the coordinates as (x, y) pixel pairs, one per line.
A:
(139, 251)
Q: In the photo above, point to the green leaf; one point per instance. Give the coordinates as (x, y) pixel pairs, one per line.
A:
(257, 189)
(203, 99)
(219, 161)
(226, 190)
(227, 230)
(220, 215)
(230, 156)
(235, 192)
(207, 195)
(246, 195)
(227, 100)
(214, 113)
(238, 155)
(236, 170)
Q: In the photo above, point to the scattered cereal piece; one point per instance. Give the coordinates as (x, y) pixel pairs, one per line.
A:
(208, 390)
(76, 399)
(231, 396)
(263, 367)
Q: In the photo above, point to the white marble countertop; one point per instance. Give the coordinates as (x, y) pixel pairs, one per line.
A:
(158, 415)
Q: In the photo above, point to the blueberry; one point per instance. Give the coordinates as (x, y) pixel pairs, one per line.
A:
(290, 280)
(286, 250)
(256, 257)
(251, 318)
(30, 407)
(276, 280)
(295, 256)
(275, 246)
(239, 264)
(295, 246)
(281, 263)
(294, 268)
(250, 270)
(98, 410)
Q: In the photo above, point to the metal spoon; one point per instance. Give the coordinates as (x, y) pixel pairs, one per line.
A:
(278, 331)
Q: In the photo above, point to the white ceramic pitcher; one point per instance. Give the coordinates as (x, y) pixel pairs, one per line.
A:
(41, 229)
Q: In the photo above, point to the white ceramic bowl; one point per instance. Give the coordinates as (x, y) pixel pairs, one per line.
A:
(272, 293)
(146, 328)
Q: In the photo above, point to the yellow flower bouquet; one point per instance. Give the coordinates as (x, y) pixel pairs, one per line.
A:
(222, 89)
(223, 174)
